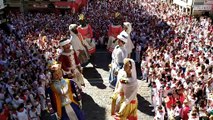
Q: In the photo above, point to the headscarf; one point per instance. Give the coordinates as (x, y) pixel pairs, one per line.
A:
(131, 88)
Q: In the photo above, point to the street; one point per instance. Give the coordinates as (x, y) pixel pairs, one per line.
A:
(96, 97)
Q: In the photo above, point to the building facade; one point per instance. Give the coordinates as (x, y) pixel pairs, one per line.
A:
(2, 12)
(194, 7)
(46, 5)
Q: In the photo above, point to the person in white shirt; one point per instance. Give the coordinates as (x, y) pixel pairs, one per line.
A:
(42, 78)
(193, 116)
(160, 113)
(33, 114)
(17, 101)
(177, 110)
(118, 55)
(22, 113)
(41, 92)
(154, 94)
(144, 69)
(38, 108)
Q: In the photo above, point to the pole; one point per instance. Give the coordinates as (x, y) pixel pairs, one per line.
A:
(87, 5)
(22, 6)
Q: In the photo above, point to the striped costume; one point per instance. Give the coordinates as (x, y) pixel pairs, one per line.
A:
(66, 99)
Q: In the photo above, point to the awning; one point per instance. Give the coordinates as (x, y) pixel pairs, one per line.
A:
(78, 2)
(40, 5)
(67, 5)
(63, 4)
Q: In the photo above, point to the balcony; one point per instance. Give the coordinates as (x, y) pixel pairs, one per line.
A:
(14, 3)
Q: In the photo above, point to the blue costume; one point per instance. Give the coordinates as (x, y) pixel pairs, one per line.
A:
(65, 99)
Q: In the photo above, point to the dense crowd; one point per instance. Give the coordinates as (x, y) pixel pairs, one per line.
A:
(179, 72)
(176, 52)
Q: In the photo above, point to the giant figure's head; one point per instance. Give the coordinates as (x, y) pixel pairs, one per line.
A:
(82, 20)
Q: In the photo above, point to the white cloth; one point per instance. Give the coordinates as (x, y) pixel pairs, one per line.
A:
(76, 42)
(22, 115)
(41, 90)
(33, 115)
(129, 45)
(16, 103)
(159, 115)
(118, 54)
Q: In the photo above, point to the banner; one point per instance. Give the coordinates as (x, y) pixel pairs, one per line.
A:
(202, 7)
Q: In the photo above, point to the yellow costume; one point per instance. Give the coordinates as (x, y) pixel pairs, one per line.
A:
(124, 99)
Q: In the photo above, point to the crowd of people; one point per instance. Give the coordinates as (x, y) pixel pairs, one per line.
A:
(174, 49)
(178, 64)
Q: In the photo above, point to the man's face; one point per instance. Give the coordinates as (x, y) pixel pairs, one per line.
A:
(57, 74)
(67, 46)
(83, 23)
(120, 42)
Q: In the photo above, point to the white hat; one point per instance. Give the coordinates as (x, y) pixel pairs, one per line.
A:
(65, 41)
(72, 26)
(123, 36)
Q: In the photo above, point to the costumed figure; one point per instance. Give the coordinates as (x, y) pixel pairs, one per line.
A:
(79, 48)
(124, 99)
(114, 30)
(85, 30)
(42, 41)
(70, 63)
(118, 54)
(129, 45)
(64, 95)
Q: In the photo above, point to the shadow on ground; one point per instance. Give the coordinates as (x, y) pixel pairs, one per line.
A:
(91, 109)
(93, 77)
(101, 59)
(143, 106)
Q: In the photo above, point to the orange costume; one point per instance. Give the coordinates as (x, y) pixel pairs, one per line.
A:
(114, 31)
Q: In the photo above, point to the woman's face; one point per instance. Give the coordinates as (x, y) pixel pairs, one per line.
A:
(127, 67)
(120, 42)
